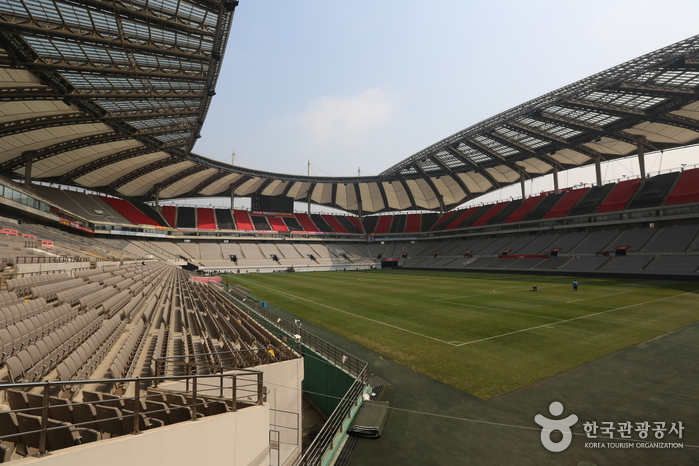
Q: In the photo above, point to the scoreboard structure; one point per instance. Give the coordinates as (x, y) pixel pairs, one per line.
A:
(271, 205)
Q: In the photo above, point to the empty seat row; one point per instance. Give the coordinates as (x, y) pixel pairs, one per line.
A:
(26, 332)
(24, 433)
(96, 298)
(49, 291)
(72, 296)
(36, 360)
(9, 298)
(116, 302)
(82, 362)
(123, 362)
(24, 310)
(22, 285)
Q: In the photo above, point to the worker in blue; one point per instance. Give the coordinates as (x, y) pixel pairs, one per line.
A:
(575, 285)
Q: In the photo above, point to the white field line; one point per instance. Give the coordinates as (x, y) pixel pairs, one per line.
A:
(351, 314)
(494, 291)
(503, 310)
(576, 318)
(599, 297)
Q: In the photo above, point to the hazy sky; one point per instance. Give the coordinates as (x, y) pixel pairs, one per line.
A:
(366, 84)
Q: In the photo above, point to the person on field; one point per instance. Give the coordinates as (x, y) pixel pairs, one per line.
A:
(575, 285)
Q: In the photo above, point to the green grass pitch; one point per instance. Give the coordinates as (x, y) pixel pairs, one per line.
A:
(485, 334)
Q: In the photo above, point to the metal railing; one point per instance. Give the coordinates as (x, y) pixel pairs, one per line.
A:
(325, 441)
(340, 358)
(232, 388)
(187, 363)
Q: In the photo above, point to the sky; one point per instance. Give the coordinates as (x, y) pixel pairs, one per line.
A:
(356, 87)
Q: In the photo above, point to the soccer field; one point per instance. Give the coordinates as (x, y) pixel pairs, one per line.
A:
(484, 334)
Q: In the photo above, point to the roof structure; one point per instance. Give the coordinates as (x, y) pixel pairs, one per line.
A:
(111, 95)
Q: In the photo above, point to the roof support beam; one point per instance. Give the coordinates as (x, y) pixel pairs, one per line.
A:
(457, 180)
(104, 38)
(485, 173)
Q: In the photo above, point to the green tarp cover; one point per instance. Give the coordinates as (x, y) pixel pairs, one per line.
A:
(370, 420)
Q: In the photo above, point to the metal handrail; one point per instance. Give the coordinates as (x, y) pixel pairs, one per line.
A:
(135, 415)
(357, 368)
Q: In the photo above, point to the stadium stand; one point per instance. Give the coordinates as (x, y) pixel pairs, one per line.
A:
(460, 217)
(277, 224)
(356, 224)
(524, 209)
(632, 239)
(444, 220)
(676, 238)
(427, 220)
(500, 217)
(383, 224)
(152, 213)
(320, 222)
(206, 219)
(306, 222)
(674, 265)
(492, 212)
(468, 221)
(569, 200)
(595, 242)
(186, 217)
(626, 263)
(591, 200)
(398, 224)
(292, 224)
(243, 220)
(129, 211)
(224, 219)
(369, 224)
(334, 224)
(619, 197)
(686, 190)
(543, 207)
(413, 223)
(260, 223)
(170, 215)
(654, 191)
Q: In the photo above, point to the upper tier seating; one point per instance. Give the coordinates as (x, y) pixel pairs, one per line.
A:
(306, 222)
(242, 220)
(569, 200)
(224, 219)
(591, 200)
(492, 212)
(686, 190)
(619, 196)
(129, 211)
(524, 209)
(654, 191)
(206, 219)
(186, 217)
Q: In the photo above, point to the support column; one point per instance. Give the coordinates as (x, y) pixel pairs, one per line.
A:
(28, 159)
(598, 171)
(232, 198)
(555, 180)
(157, 197)
(521, 181)
(641, 155)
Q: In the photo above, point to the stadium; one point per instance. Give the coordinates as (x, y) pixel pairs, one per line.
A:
(408, 319)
